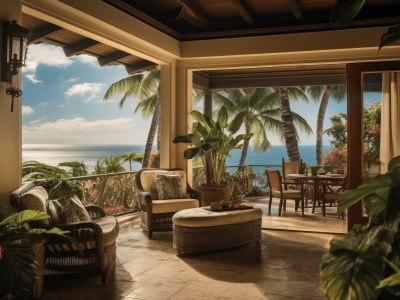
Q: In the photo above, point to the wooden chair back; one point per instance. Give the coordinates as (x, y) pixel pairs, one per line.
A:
(274, 180)
(290, 167)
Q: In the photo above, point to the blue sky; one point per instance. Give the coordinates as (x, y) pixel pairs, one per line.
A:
(62, 103)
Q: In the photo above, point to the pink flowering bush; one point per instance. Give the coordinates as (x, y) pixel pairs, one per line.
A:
(336, 157)
(154, 160)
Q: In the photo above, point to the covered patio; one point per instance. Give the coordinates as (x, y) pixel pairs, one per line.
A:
(284, 264)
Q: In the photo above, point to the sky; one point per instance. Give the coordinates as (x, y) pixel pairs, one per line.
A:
(63, 103)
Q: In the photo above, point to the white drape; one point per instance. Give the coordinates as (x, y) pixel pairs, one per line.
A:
(390, 118)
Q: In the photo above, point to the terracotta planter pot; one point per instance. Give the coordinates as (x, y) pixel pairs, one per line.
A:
(215, 193)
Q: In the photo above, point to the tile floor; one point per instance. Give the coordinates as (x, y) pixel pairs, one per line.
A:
(283, 266)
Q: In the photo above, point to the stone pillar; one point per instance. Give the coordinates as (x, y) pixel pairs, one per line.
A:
(208, 103)
(10, 122)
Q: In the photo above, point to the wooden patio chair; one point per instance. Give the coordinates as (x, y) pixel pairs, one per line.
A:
(275, 184)
(331, 194)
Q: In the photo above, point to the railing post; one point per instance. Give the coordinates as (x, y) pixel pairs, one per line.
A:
(248, 170)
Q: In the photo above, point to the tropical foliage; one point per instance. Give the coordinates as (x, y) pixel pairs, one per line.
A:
(154, 161)
(212, 141)
(145, 87)
(132, 156)
(112, 164)
(364, 264)
(18, 265)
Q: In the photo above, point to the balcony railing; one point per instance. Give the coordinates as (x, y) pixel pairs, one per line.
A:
(115, 192)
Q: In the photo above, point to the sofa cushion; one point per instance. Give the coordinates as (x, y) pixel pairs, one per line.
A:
(153, 190)
(80, 209)
(63, 210)
(149, 176)
(169, 186)
(200, 217)
(36, 199)
(173, 205)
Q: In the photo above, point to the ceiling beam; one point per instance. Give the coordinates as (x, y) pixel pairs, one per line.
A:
(79, 47)
(244, 10)
(111, 58)
(194, 10)
(141, 66)
(296, 9)
(41, 32)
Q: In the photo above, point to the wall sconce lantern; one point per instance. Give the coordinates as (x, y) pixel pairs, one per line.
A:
(14, 49)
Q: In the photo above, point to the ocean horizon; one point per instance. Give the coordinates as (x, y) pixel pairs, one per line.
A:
(53, 154)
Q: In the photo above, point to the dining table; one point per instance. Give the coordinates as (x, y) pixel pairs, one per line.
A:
(316, 182)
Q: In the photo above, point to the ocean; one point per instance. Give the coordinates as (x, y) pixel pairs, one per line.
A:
(89, 154)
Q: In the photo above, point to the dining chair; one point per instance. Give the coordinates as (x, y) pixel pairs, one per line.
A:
(290, 167)
(275, 190)
(331, 194)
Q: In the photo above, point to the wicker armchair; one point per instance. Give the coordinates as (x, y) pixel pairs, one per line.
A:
(90, 248)
(157, 214)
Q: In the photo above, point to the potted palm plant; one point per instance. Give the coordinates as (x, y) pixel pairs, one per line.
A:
(212, 142)
(21, 250)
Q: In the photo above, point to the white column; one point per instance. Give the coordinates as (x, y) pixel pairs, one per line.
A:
(10, 122)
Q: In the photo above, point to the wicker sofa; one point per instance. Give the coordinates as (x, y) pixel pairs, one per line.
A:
(90, 248)
(157, 214)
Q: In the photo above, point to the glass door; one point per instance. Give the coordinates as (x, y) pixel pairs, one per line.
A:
(373, 124)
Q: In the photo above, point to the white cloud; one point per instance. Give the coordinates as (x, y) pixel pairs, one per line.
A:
(43, 103)
(85, 89)
(80, 130)
(32, 77)
(72, 79)
(35, 121)
(27, 110)
(47, 55)
(87, 59)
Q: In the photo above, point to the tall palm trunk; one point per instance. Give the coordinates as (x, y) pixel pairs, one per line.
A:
(159, 134)
(245, 148)
(289, 131)
(152, 134)
(320, 122)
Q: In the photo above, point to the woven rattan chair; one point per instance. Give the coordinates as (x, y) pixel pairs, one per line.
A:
(156, 214)
(90, 248)
(275, 190)
(331, 194)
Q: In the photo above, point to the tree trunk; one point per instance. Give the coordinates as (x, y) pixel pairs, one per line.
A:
(208, 104)
(152, 134)
(320, 122)
(159, 134)
(245, 148)
(289, 131)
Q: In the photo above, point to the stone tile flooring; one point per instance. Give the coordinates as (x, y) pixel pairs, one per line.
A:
(283, 266)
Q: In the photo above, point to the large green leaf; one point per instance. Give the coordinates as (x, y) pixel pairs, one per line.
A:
(187, 138)
(200, 129)
(222, 119)
(203, 119)
(394, 163)
(24, 217)
(392, 211)
(192, 152)
(379, 185)
(236, 123)
(391, 36)
(392, 282)
(355, 266)
(346, 10)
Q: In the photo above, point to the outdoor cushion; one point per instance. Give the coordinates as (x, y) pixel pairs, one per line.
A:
(79, 209)
(173, 205)
(110, 228)
(200, 217)
(153, 190)
(169, 186)
(149, 176)
(68, 210)
(287, 194)
(36, 199)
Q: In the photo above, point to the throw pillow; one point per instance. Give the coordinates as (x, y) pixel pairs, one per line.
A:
(36, 199)
(153, 190)
(169, 186)
(79, 209)
(64, 210)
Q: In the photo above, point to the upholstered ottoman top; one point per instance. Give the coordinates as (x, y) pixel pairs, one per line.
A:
(200, 217)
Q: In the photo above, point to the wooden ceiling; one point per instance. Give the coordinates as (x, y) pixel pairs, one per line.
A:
(75, 44)
(203, 19)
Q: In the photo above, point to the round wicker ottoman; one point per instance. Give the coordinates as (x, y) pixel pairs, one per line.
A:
(199, 229)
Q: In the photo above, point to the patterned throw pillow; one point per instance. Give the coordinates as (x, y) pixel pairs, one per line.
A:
(68, 210)
(169, 186)
(153, 190)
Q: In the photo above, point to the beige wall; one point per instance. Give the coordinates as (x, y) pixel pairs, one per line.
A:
(10, 125)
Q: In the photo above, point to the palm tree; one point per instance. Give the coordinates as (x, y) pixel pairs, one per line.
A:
(111, 164)
(132, 156)
(323, 93)
(145, 87)
(290, 134)
(261, 113)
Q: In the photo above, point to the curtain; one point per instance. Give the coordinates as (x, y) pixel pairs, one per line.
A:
(390, 119)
